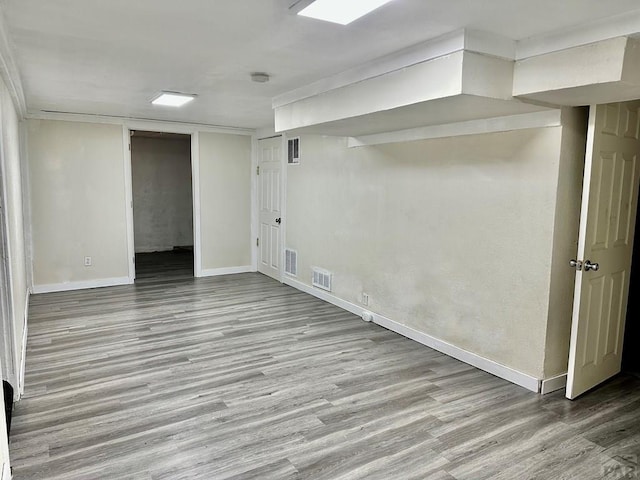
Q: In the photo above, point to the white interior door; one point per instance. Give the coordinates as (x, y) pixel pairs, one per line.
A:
(605, 247)
(269, 198)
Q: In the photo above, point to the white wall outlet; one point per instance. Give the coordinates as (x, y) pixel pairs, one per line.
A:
(365, 299)
(87, 261)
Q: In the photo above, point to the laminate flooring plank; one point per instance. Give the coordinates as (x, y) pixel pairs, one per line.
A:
(241, 378)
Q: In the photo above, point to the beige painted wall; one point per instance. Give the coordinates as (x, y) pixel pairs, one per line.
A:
(162, 194)
(77, 187)
(225, 200)
(14, 221)
(452, 237)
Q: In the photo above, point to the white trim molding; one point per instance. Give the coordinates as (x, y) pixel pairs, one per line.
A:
(216, 272)
(494, 368)
(553, 384)
(128, 191)
(139, 123)
(255, 208)
(284, 175)
(81, 285)
(195, 192)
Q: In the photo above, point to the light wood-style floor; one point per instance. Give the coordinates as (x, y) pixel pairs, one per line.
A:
(240, 377)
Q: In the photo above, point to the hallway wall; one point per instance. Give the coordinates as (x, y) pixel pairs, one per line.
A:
(162, 193)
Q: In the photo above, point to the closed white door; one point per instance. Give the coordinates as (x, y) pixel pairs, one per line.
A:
(270, 199)
(605, 247)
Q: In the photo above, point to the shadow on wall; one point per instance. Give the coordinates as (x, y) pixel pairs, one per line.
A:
(630, 352)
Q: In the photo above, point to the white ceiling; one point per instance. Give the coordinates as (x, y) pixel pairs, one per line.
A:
(110, 57)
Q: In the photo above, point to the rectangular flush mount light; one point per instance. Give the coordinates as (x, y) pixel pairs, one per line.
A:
(172, 99)
(341, 11)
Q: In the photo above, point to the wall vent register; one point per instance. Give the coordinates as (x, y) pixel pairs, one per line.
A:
(321, 279)
(291, 262)
(293, 151)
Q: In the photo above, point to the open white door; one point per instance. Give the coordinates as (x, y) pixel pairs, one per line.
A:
(605, 246)
(269, 199)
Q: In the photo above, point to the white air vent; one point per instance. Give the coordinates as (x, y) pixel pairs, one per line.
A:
(321, 279)
(291, 262)
(293, 151)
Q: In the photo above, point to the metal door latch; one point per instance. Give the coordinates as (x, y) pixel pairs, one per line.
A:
(577, 264)
(591, 266)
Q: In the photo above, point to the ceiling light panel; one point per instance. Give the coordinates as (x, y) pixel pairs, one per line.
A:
(341, 11)
(171, 99)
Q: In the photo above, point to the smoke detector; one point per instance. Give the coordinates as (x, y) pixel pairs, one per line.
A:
(260, 77)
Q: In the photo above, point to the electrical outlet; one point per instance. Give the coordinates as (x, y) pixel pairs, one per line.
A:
(365, 299)
(87, 261)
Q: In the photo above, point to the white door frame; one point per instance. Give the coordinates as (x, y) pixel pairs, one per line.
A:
(255, 210)
(195, 189)
(255, 214)
(283, 204)
(195, 192)
(128, 186)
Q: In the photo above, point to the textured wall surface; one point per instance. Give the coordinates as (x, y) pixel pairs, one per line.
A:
(225, 200)
(452, 237)
(78, 202)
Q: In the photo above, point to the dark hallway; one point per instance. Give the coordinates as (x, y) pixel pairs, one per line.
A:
(175, 264)
(630, 352)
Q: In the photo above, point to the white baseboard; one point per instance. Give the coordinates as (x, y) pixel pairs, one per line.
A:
(67, 286)
(214, 272)
(502, 371)
(554, 383)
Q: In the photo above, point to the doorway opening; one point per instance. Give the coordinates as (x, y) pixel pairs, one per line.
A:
(605, 247)
(161, 180)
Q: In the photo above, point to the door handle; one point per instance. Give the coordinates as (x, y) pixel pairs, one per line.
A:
(591, 266)
(278, 220)
(577, 264)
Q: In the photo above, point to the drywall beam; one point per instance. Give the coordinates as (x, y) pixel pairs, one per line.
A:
(601, 72)
(548, 118)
